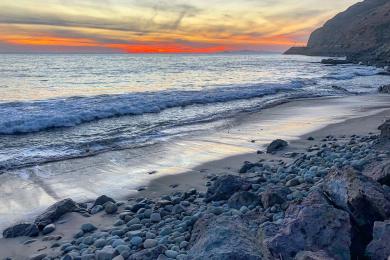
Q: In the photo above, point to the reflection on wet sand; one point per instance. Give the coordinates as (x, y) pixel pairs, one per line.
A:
(120, 173)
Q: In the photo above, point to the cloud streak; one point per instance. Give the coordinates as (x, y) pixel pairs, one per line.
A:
(161, 24)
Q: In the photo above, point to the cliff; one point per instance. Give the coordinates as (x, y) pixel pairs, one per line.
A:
(361, 33)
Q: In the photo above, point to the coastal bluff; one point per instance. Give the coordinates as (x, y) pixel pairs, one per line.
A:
(361, 33)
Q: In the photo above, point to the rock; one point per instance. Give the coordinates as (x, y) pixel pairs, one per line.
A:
(309, 255)
(360, 33)
(19, 230)
(56, 211)
(222, 237)
(276, 145)
(88, 227)
(48, 229)
(148, 254)
(364, 199)
(136, 240)
(248, 166)
(384, 89)
(312, 225)
(224, 187)
(334, 61)
(171, 254)
(101, 200)
(274, 195)
(381, 173)
(37, 257)
(150, 243)
(96, 209)
(110, 207)
(155, 217)
(385, 129)
(107, 253)
(243, 198)
(293, 182)
(379, 247)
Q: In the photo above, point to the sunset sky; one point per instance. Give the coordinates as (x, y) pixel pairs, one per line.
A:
(166, 26)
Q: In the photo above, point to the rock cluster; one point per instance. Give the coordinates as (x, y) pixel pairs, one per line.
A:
(313, 205)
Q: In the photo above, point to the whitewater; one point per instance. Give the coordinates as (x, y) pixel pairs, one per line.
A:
(57, 107)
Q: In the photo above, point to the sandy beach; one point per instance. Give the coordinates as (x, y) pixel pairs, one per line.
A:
(359, 116)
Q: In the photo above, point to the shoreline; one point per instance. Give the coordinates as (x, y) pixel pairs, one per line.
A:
(290, 119)
(196, 178)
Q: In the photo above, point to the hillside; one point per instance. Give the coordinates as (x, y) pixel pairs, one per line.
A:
(362, 33)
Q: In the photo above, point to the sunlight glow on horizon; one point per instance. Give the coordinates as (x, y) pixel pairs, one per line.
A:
(160, 26)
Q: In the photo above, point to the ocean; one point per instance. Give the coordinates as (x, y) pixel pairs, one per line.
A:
(56, 107)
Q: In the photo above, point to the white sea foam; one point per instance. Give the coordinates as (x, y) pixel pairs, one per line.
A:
(25, 117)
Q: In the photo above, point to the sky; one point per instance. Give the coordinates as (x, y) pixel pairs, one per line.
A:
(161, 26)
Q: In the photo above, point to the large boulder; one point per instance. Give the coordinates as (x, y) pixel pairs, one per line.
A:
(364, 199)
(224, 187)
(312, 225)
(19, 230)
(243, 198)
(56, 211)
(223, 238)
(276, 145)
(381, 173)
(385, 129)
(379, 247)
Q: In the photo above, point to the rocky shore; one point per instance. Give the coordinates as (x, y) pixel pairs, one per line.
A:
(330, 201)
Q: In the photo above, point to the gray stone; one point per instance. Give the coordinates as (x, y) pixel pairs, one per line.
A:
(224, 187)
(100, 243)
(148, 254)
(171, 254)
(274, 195)
(101, 200)
(381, 173)
(379, 247)
(243, 198)
(150, 243)
(88, 227)
(309, 226)
(364, 199)
(56, 211)
(155, 217)
(309, 255)
(136, 240)
(385, 89)
(276, 145)
(222, 237)
(19, 230)
(96, 209)
(107, 253)
(48, 229)
(385, 129)
(110, 207)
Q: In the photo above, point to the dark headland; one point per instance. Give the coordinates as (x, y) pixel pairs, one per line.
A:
(361, 33)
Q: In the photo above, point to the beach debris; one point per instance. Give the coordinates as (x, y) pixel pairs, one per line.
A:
(276, 145)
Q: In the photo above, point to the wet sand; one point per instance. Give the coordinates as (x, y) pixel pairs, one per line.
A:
(183, 162)
(337, 117)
